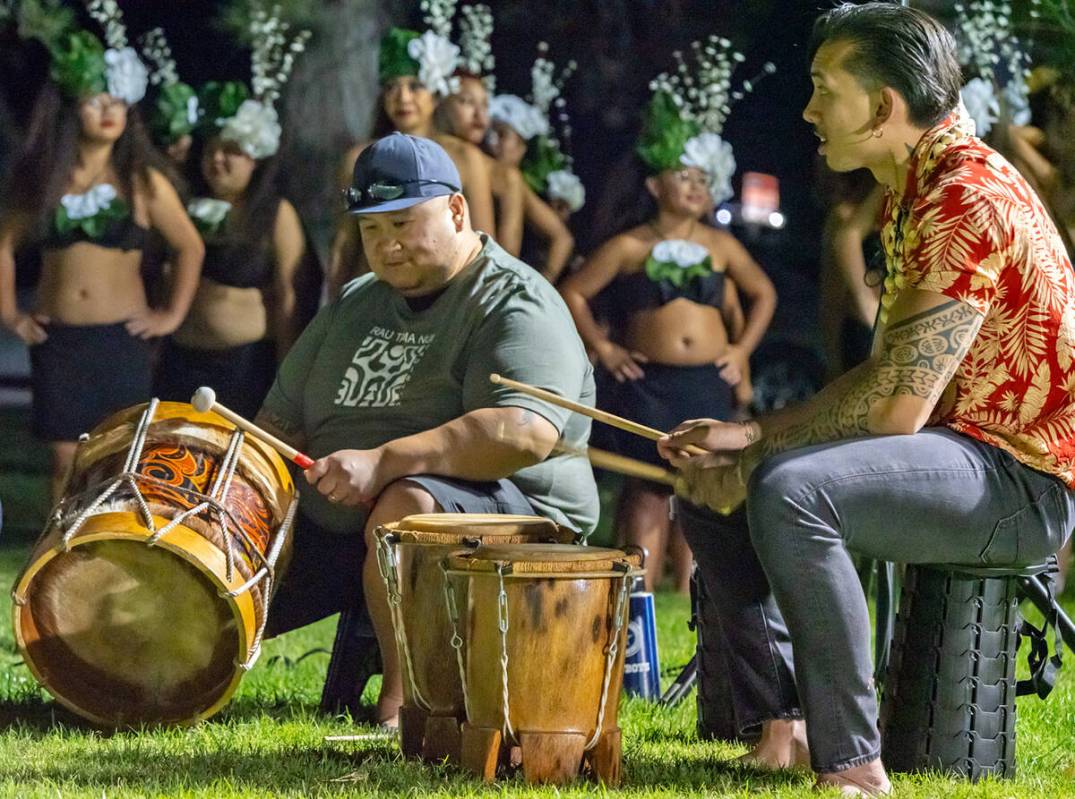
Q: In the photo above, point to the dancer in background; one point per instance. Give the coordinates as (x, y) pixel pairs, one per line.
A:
(86, 190)
(523, 137)
(670, 282)
(465, 115)
(243, 318)
(415, 71)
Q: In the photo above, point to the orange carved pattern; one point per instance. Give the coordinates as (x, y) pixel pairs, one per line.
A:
(195, 470)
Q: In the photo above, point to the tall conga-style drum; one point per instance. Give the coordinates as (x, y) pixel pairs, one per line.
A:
(543, 630)
(409, 554)
(144, 601)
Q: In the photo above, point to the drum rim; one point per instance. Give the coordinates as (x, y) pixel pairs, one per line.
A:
(92, 533)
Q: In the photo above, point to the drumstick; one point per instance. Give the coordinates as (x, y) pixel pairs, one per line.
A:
(594, 413)
(621, 464)
(204, 400)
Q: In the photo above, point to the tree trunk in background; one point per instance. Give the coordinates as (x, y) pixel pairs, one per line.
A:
(329, 105)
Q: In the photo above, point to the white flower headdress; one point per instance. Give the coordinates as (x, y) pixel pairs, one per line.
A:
(126, 76)
(475, 32)
(255, 126)
(700, 97)
(999, 61)
(176, 110)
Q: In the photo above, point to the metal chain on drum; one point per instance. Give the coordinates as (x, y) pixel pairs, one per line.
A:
(502, 623)
(389, 568)
(610, 659)
(457, 640)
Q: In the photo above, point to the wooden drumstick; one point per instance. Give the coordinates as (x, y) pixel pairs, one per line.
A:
(204, 400)
(621, 464)
(594, 413)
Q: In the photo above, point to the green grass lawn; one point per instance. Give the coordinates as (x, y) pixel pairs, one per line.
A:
(270, 741)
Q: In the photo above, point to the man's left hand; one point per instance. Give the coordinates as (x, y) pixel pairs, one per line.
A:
(710, 481)
(348, 476)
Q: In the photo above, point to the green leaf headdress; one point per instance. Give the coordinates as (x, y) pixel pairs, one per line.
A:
(686, 114)
(80, 64)
(228, 109)
(430, 56)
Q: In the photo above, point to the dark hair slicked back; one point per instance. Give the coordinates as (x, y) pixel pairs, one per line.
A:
(898, 47)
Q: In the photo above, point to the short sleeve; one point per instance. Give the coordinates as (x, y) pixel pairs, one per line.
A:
(285, 398)
(960, 245)
(530, 339)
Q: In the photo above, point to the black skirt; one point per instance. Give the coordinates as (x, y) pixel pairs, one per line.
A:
(666, 396)
(83, 373)
(240, 376)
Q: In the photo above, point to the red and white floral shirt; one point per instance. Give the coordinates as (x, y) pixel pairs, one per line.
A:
(969, 227)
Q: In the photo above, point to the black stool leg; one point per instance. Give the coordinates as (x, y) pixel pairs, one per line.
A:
(1036, 590)
(355, 658)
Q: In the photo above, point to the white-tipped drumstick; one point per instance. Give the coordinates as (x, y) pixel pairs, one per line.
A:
(204, 400)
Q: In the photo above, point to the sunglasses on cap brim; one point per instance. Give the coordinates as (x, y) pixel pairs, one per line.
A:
(382, 191)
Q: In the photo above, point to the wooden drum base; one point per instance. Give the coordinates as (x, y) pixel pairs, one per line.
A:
(430, 737)
(547, 757)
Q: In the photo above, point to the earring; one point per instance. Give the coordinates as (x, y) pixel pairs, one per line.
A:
(878, 133)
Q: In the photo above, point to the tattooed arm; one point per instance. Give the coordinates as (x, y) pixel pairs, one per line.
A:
(895, 391)
(892, 393)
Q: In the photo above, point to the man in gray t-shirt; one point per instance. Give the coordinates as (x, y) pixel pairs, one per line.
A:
(388, 388)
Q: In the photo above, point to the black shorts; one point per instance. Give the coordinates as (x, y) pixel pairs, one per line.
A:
(240, 376)
(83, 373)
(325, 575)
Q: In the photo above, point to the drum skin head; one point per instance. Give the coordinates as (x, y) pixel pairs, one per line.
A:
(123, 627)
(545, 553)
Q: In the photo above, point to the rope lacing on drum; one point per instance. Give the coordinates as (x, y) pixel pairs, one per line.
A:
(265, 564)
(610, 659)
(388, 565)
(456, 640)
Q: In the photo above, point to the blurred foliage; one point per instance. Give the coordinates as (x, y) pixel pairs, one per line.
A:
(44, 20)
(235, 15)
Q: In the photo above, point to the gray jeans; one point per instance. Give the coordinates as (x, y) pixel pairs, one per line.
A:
(932, 497)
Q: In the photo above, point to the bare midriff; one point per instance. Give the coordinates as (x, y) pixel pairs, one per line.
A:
(679, 333)
(85, 284)
(223, 316)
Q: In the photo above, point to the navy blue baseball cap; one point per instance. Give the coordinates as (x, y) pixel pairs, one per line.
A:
(399, 171)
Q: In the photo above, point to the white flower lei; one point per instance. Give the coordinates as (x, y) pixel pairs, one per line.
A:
(83, 206)
(680, 252)
(711, 154)
(208, 209)
(566, 186)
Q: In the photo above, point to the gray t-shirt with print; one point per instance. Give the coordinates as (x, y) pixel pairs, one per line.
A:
(369, 369)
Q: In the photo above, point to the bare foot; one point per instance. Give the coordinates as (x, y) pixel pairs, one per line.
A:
(386, 714)
(782, 745)
(869, 779)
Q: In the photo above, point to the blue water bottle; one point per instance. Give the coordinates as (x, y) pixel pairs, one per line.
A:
(641, 667)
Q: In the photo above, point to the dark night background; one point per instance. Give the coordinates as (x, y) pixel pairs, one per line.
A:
(620, 45)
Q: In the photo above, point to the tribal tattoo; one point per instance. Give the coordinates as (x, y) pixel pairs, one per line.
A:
(919, 356)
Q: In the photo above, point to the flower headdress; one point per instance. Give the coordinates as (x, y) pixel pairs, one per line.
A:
(1000, 63)
(686, 114)
(176, 110)
(80, 64)
(547, 164)
(432, 57)
(253, 123)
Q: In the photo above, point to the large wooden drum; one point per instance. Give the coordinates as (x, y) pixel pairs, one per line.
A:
(543, 628)
(144, 600)
(409, 554)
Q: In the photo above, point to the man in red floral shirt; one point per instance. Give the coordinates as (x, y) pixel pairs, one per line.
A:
(953, 443)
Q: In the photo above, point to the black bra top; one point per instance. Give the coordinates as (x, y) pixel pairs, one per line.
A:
(121, 234)
(636, 292)
(239, 264)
